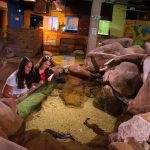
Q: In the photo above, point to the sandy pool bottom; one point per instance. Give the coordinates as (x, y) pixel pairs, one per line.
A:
(59, 117)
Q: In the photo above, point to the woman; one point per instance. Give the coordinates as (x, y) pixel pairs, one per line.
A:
(42, 71)
(20, 81)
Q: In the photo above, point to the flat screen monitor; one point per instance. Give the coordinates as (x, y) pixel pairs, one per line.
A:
(104, 27)
(72, 24)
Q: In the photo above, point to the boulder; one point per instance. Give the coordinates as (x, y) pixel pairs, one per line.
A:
(73, 91)
(132, 58)
(138, 128)
(125, 116)
(120, 146)
(78, 71)
(134, 49)
(111, 48)
(8, 145)
(79, 54)
(125, 79)
(57, 70)
(147, 47)
(10, 122)
(96, 58)
(37, 140)
(125, 42)
(97, 61)
(131, 144)
(141, 103)
(106, 101)
(88, 64)
(146, 68)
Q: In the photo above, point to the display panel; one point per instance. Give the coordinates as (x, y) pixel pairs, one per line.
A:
(72, 24)
(104, 27)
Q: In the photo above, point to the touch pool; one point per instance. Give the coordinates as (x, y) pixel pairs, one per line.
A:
(54, 114)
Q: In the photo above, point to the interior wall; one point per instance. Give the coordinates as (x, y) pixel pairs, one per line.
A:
(1, 18)
(139, 30)
(118, 20)
(4, 13)
(60, 15)
(27, 14)
(15, 18)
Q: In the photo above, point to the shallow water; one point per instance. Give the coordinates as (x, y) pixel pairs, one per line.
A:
(59, 117)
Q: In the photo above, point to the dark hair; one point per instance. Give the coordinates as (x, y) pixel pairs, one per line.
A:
(44, 59)
(48, 72)
(22, 77)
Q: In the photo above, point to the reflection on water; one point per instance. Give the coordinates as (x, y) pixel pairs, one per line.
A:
(65, 60)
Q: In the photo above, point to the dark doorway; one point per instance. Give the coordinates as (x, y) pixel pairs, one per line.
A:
(1, 19)
(36, 21)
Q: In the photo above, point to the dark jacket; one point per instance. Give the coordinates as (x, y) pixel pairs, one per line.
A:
(36, 76)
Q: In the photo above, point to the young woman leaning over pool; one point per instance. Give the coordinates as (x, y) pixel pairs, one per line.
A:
(20, 81)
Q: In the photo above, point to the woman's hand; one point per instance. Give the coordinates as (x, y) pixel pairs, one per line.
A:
(41, 82)
(23, 95)
(50, 77)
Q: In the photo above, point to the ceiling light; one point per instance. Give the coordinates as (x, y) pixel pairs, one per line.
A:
(132, 8)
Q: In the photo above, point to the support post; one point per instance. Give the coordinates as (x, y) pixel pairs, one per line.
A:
(94, 22)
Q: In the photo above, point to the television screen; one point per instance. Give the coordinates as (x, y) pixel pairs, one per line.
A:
(72, 24)
(104, 26)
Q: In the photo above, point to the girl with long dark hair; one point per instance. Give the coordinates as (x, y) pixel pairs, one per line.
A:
(20, 81)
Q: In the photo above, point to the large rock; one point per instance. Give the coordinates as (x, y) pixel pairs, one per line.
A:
(57, 70)
(89, 65)
(120, 146)
(138, 127)
(96, 62)
(8, 145)
(125, 42)
(37, 140)
(146, 68)
(10, 122)
(106, 101)
(125, 116)
(96, 58)
(73, 91)
(141, 103)
(131, 144)
(134, 49)
(125, 79)
(147, 47)
(80, 72)
(111, 48)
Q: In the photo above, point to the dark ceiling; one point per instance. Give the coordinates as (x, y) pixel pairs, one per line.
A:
(143, 5)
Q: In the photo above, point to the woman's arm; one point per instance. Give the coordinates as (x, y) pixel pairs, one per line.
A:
(7, 92)
(50, 77)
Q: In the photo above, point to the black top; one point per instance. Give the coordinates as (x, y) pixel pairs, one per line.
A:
(37, 78)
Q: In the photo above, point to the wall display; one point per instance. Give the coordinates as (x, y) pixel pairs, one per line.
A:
(72, 24)
(50, 23)
(49, 37)
(104, 27)
(138, 30)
